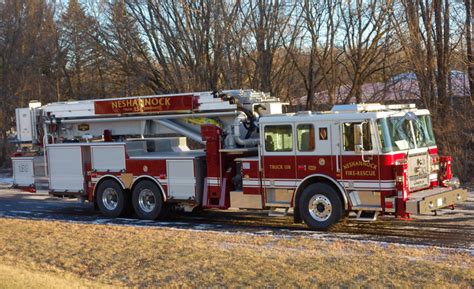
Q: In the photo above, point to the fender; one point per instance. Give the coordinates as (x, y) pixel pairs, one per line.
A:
(108, 176)
(153, 180)
(326, 177)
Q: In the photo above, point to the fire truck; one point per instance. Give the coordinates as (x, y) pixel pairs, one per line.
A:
(133, 154)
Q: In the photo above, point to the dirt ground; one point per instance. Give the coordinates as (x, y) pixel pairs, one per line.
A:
(155, 257)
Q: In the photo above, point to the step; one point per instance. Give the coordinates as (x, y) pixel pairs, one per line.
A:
(367, 216)
(278, 212)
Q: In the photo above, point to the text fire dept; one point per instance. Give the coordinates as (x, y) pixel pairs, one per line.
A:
(369, 171)
(141, 102)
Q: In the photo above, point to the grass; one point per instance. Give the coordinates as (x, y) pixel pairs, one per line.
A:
(13, 277)
(153, 257)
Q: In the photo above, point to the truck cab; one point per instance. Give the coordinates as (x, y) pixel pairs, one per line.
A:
(377, 159)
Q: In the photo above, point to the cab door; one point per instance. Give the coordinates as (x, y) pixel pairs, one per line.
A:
(306, 161)
(359, 171)
(314, 149)
(278, 158)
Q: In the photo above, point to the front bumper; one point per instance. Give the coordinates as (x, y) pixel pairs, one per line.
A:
(425, 202)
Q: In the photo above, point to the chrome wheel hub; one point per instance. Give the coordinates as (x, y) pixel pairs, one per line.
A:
(110, 199)
(146, 200)
(320, 208)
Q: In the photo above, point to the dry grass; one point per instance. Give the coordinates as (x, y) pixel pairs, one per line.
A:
(143, 257)
(19, 277)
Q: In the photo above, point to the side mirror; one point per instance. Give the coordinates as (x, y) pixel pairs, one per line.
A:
(358, 138)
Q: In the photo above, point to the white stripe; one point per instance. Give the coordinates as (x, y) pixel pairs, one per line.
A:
(286, 183)
(391, 183)
(299, 180)
(368, 185)
(356, 185)
(213, 182)
(250, 183)
(290, 183)
(289, 180)
(280, 183)
(369, 181)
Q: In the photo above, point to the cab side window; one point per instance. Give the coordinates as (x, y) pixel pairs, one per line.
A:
(348, 135)
(305, 139)
(278, 138)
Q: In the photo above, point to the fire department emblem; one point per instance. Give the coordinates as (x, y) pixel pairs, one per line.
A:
(322, 162)
(145, 169)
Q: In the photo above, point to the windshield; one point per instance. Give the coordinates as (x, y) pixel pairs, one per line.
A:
(424, 131)
(396, 133)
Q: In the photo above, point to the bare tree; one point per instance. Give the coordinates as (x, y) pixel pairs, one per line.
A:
(418, 44)
(469, 5)
(269, 26)
(186, 39)
(122, 56)
(25, 58)
(76, 28)
(442, 43)
(366, 27)
(315, 56)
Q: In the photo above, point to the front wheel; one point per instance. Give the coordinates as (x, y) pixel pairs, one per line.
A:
(147, 200)
(320, 206)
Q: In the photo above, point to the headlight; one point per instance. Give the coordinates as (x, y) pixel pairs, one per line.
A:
(453, 182)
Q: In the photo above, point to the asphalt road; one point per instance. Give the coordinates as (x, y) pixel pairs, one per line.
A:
(451, 228)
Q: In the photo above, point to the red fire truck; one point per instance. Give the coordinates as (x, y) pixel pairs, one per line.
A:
(133, 153)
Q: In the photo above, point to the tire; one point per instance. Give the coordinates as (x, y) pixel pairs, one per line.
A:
(111, 199)
(320, 206)
(148, 201)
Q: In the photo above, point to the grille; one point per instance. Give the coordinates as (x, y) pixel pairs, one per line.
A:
(418, 171)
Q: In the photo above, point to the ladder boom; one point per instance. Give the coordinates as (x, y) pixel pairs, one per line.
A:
(148, 116)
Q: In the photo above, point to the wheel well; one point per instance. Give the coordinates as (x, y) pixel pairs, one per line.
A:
(142, 178)
(103, 179)
(313, 180)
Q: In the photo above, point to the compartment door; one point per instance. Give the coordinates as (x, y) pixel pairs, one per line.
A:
(108, 158)
(65, 168)
(23, 172)
(181, 179)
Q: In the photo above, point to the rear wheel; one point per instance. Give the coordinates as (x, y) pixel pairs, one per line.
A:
(111, 199)
(147, 200)
(320, 206)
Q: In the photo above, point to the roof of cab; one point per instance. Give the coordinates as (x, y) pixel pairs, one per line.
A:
(346, 112)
